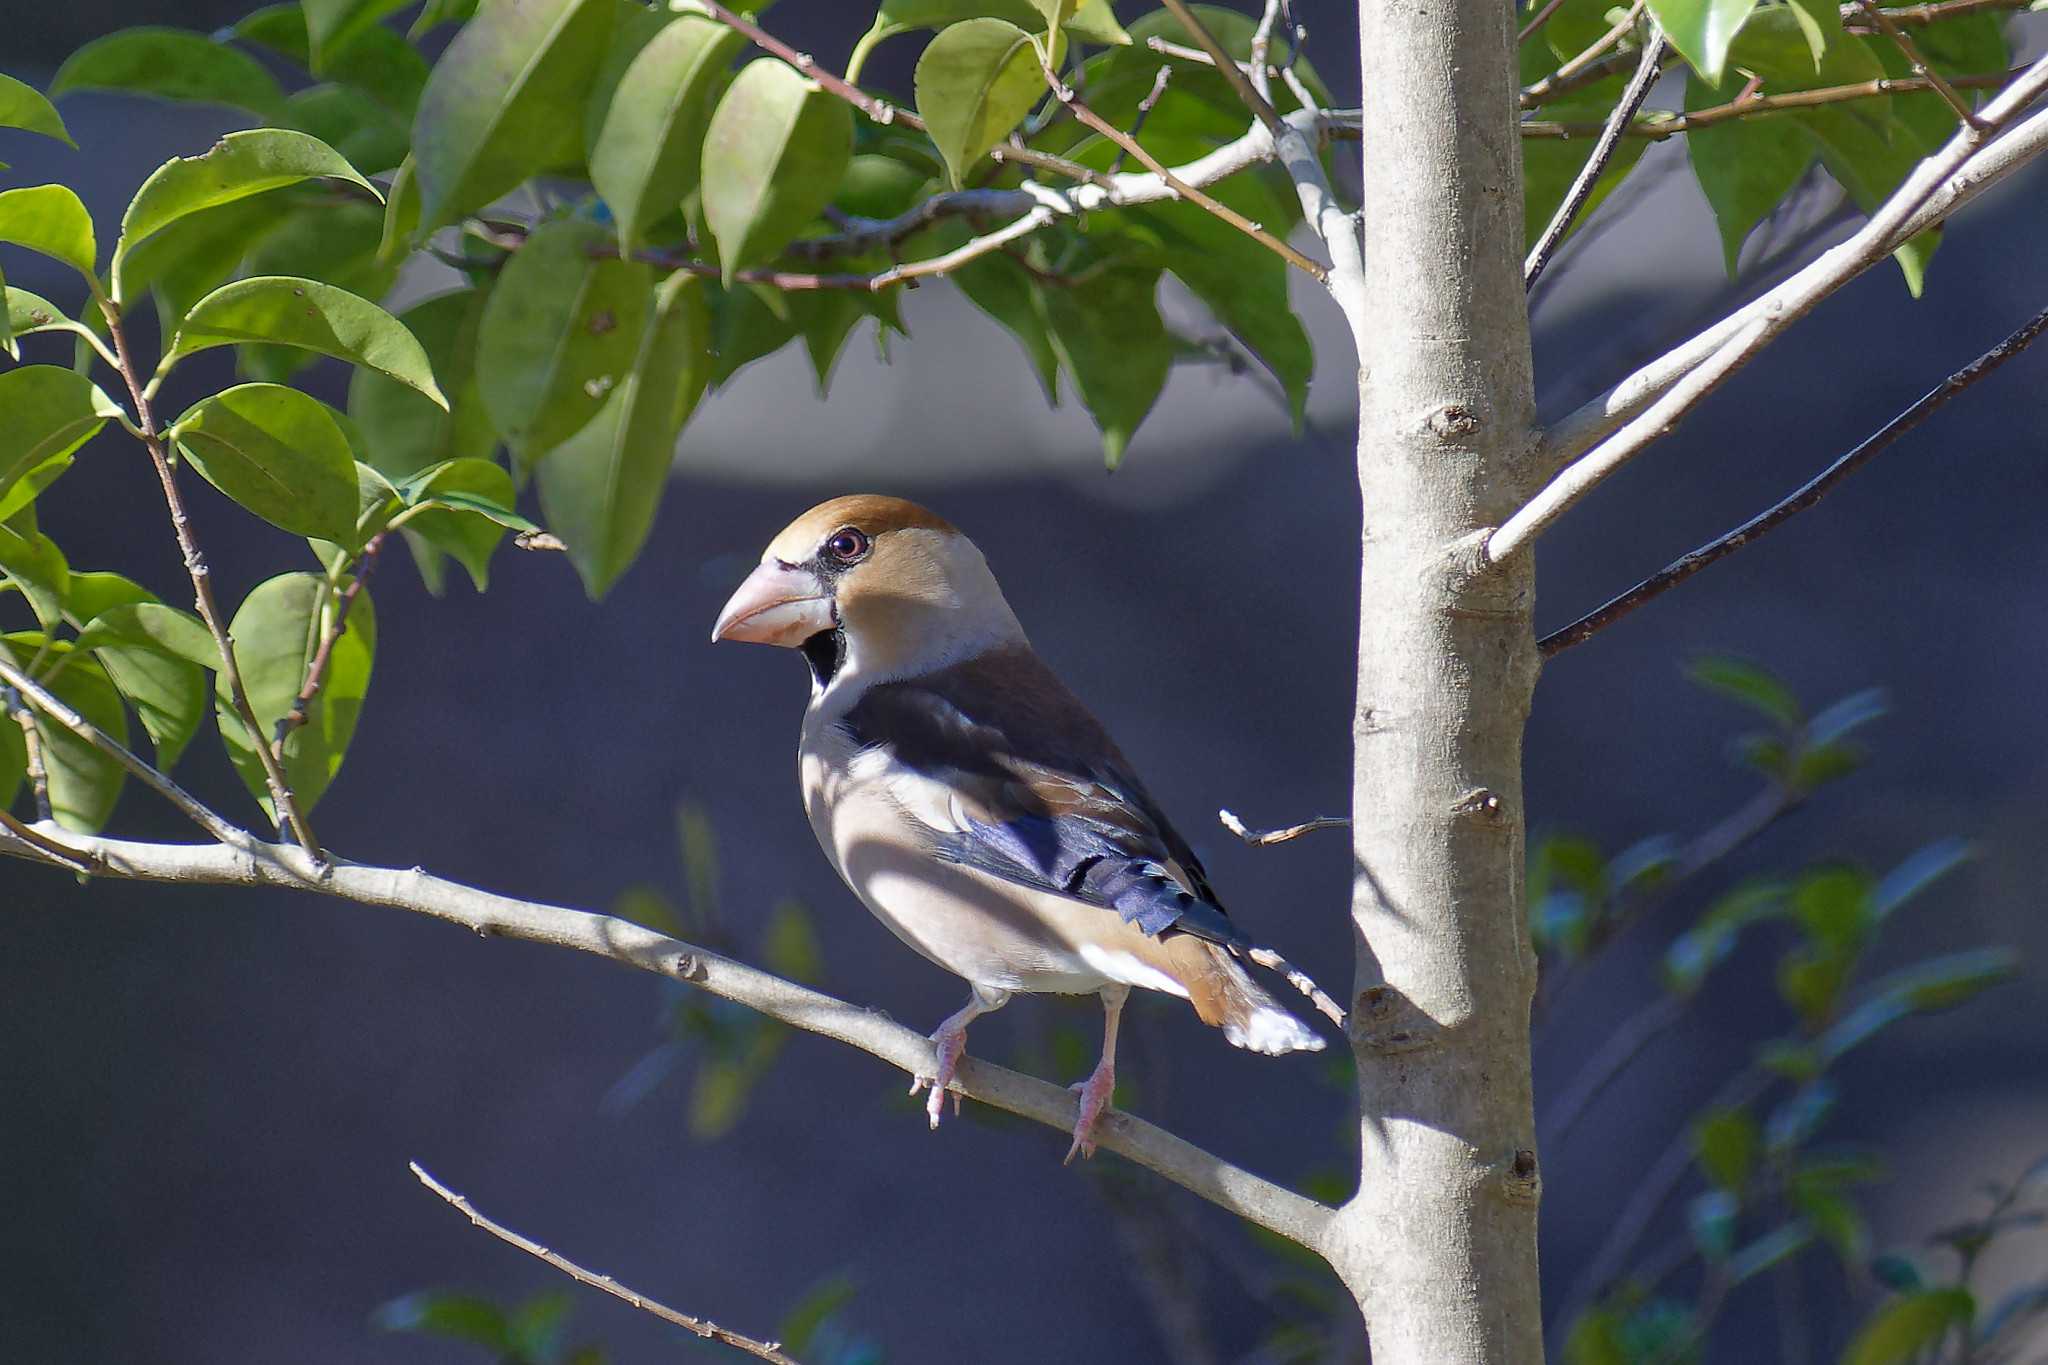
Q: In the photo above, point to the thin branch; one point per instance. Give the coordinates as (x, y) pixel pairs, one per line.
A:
(32, 748)
(1931, 13)
(1065, 94)
(1260, 1201)
(1535, 24)
(1145, 107)
(1568, 78)
(1621, 1047)
(1809, 493)
(1660, 126)
(1911, 52)
(46, 702)
(876, 108)
(1647, 71)
(287, 811)
(1973, 161)
(40, 843)
(1226, 66)
(316, 670)
(1263, 838)
(702, 1327)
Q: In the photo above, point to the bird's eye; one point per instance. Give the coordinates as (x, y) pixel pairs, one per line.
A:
(848, 546)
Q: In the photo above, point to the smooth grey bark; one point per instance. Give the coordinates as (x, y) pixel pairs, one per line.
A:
(1439, 1245)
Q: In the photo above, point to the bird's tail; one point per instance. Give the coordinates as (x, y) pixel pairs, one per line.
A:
(1226, 997)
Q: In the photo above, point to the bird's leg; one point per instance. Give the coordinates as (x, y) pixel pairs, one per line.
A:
(1101, 1082)
(950, 1039)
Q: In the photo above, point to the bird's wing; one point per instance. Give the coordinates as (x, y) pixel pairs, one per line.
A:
(1009, 774)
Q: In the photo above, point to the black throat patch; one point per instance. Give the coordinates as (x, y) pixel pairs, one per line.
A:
(825, 652)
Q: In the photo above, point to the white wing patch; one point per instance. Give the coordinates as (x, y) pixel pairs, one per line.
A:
(1128, 970)
(929, 802)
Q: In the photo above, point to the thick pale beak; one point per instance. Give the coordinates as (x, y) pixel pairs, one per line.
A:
(777, 605)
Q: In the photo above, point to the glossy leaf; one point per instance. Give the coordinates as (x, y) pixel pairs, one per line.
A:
(493, 111)
(90, 595)
(353, 122)
(1820, 23)
(405, 432)
(278, 453)
(465, 505)
(157, 656)
(275, 632)
(35, 566)
(84, 783)
(1114, 345)
(1900, 1330)
(172, 64)
(49, 219)
(600, 489)
(239, 165)
(559, 333)
(1746, 167)
(1702, 30)
(24, 106)
(310, 315)
(197, 254)
(30, 486)
(773, 154)
(975, 83)
(649, 141)
(331, 24)
(50, 412)
(26, 314)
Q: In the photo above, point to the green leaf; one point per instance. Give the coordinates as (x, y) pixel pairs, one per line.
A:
(373, 59)
(49, 219)
(1726, 1143)
(84, 783)
(773, 154)
(401, 213)
(493, 112)
(91, 595)
(50, 413)
(172, 64)
(403, 431)
(1900, 1330)
(276, 631)
(751, 321)
(559, 332)
(600, 489)
(1799, 1117)
(1746, 167)
(790, 945)
(649, 136)
(465, 508)
(437, 12)
(332, 24)
(1820, 21)
(24, 106)
(306, 314)
(157, 656)
(1771, 1249)
(27, 314)
(975, 83)
(239, 165)
(278, 453)
(30, 486)
(1749, 684)
(1703, 947)
(32, 562)
(198, 254)
(1002, 288)
(365, 132)
(457, 1317)
(1091, 21)
(801, 1325)
(1702, 30)
(1112, 341)
(13, 760)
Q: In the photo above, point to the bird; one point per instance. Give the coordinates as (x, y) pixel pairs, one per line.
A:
(976, 806)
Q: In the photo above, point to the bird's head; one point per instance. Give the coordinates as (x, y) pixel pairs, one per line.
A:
(873, 581)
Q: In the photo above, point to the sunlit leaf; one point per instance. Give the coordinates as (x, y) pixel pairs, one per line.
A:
(278, 453)
(1900, 1330)
(465, 506)
(172, 64)
(649, 142)
(305, 313)
(49, 219)
(1112, 342)
(403, 430)
(157, 656)
(50, 412)
(1749, 684)
(239, 165)
(1702, 30)
(84, 783)
(975, 82)
(773, 154)
(24, 106)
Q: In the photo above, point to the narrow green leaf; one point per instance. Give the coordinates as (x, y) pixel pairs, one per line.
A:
(50, 412)
(157, 656)
(172, 64)
(493, 112)
(558, 333)
(239, 165)
(49, 219)
(438, 1313)
(1702, 30)
(403, 431)
(310, 315)
(1900, 1330)
(1112, 341)
(465, 504)
(648, 137)
(276, 630)
(975, 83)
(24, 106)
(773, 154)
(1746, 167)
(1749, 684)
(278, 453)
(13, 760)
(435, 13)
(1918, 872)
(600, 489)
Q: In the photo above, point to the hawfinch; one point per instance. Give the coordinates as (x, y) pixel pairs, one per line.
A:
(974, 805)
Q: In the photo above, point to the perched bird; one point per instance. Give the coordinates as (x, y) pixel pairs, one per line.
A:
(972, 802)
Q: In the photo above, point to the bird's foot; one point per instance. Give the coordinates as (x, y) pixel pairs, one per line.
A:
(950, 1043)
(1095, 1094)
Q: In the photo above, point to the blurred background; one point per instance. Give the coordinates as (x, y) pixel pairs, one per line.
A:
(208, 1098)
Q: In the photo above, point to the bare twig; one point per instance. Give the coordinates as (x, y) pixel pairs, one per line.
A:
(287, 811)
(1227, 67)
(1971, 162)
(702, 1327)
(49, 848)
(32, 746)
(1145, 107)
(1659, 127)
(1911, 52)
(1262, 838)
(1568, 78)
(1809, 493)
(1066, 96)
(316, 670)
(1852, 13)
(1647, 71)
(43, 700)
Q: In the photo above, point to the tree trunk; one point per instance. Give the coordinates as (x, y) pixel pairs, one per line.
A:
(1440, 1243)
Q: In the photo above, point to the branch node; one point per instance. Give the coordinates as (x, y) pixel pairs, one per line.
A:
(1386, 1022)
(1481, 803)
(1454, 422)
(1520, 1180)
